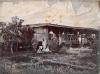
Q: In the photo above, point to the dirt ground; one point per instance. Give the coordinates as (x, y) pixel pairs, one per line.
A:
(49, 63)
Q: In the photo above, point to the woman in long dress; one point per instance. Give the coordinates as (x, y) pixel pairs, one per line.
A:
(46, 49)
(45, 46)
(80, 40)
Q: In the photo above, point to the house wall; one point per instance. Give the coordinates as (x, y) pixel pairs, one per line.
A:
(41, 33)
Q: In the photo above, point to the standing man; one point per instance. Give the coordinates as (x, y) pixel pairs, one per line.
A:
(44, 44)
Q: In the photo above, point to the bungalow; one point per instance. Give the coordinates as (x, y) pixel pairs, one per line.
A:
(57, 36)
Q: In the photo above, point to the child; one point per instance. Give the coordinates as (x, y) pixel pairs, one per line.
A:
(39, 47)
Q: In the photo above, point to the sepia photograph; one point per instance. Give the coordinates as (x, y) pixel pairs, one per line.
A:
(49, 36)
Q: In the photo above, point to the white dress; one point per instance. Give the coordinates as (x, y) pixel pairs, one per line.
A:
(44, 44)
(40, 49)
(47, 50)
(79, 39)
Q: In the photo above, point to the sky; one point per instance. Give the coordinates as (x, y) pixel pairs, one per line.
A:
(76, 13)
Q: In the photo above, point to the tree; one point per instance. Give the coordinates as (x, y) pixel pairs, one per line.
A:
(2, 26)
(13, 33)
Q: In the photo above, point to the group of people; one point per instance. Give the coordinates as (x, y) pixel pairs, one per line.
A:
(77, 40)
(85, 40)
(42, 47)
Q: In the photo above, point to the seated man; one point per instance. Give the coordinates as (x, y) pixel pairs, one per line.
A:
(39, 47)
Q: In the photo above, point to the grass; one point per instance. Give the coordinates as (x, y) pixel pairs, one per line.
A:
(53, 63)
